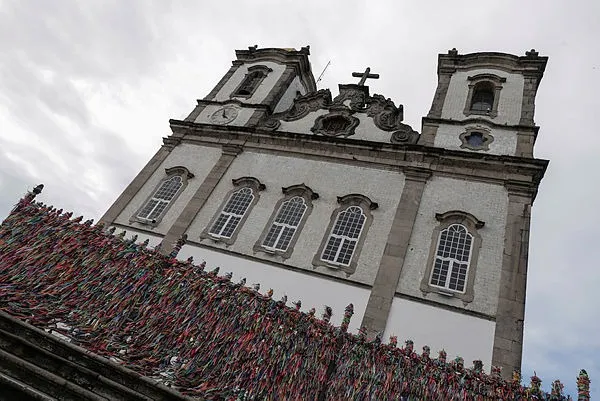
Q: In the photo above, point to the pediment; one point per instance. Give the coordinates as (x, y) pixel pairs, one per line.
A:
(352, 113)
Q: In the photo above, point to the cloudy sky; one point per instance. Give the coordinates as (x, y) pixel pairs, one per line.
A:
(87, 88)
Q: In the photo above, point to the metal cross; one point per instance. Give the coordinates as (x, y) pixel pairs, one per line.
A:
(364, 75)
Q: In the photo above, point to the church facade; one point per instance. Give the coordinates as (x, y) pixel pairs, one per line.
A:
(334, 200)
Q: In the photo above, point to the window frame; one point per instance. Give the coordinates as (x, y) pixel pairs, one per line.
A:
(302, 191)
(478, 80)
(176, 171)
(263, 69)
(472, 225)
(346, 202)
(239, 183)
(485, 133)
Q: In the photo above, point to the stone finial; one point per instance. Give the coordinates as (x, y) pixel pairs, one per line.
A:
(253, 48)
(270, 293)
(478, 366)
(453, 52)
(532, 53)
(557, 389)
(30, 196)
(516, 377)
(190, 260)
(256, 287)
(312, 312)
(215, 271)
(202, 266)
(583, 386)
(393, 341)
(327, 313)
(442, 356)
(284, 299)
(459, 362)
(536, 383)
(348, 312)
(178, 245)
(228, 276)
(145, 243)
(242, 282)
(426, 352)
(158, 247)
(409, 346)
(297, 304)
(111, 230)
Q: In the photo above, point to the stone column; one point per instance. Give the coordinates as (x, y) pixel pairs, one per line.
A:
(138, 182)
(388, 275)
(508, 337)
(199, 199)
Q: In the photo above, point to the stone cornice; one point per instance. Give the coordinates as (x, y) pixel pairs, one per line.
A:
(480, 120)
(204, 102)
(498, 169)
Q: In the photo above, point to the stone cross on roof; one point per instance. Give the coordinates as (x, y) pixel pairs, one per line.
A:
(364, 75)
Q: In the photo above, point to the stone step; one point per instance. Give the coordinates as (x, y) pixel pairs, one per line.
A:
(67, 370)
(12, 390)
(102, 367)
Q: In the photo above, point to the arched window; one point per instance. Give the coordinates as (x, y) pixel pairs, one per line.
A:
(452, 258)
(251, 81)
(285, 224)
(484, 94)
(454, 251)
(233, 212)
(163, 196)
(344, 236)
(226, 223)
(483, 97)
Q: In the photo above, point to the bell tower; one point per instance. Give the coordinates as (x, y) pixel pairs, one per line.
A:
(484, 103)
(260, 82)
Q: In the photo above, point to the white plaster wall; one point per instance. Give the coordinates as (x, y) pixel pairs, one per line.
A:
(244, 114)
(456, 333)
(289, 95)
(509, 106)
(487, 202)
(261, 92)
(329, 180)
(199, 160)
(505, 141)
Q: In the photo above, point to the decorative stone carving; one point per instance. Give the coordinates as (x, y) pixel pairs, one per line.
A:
(307, 103)
(356, 94)
(336, 123)
(405, 135)
(386, 115)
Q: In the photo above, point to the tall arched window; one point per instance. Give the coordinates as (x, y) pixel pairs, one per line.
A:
(452, 258)
(483, 97)
(163, 196)
(226, 223)
(285, 224)
(454, 251)
(232, 213)
(344, 236)
(346, 233)
(256, 74)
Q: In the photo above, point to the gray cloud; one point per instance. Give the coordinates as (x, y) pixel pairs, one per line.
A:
(87, 88)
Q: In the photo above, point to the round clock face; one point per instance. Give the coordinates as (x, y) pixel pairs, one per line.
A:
(224, 115)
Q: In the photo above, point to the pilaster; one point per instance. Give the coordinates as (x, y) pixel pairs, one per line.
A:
(388, 275)
(200, 197)
(508, 337)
